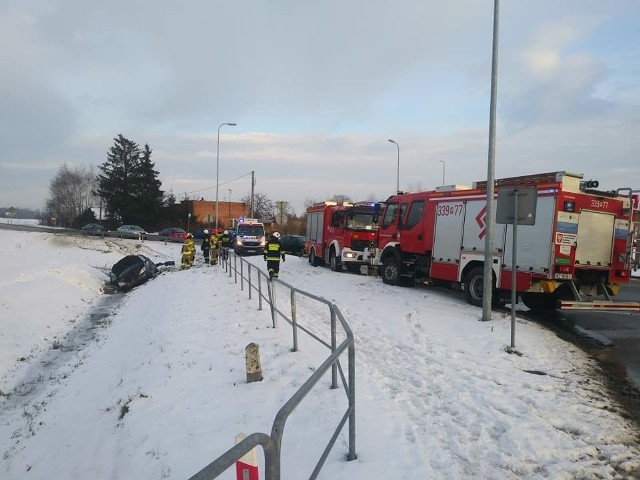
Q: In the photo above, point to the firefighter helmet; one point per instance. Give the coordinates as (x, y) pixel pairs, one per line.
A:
(206, 232)
(226, 232)
(276, 235)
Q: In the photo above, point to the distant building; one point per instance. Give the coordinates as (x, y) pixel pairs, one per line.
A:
(204, 212)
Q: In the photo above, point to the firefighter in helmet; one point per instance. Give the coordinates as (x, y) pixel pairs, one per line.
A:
(205, 247)
(225, 244)
(214, 243)
(272, 253)
(188, 252)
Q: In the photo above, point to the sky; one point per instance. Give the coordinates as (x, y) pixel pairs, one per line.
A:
(152, 383)
(317, 89)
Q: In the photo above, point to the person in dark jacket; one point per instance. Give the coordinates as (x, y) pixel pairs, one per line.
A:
(225, 244)
(272, 253)
(206, 247)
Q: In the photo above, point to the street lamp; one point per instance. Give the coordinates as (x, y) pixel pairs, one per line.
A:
(398, 174)
(218, 168)
(188, 222)
(229, 203)
(443, 168)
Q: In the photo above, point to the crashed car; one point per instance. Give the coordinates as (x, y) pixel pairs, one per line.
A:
(134, 270)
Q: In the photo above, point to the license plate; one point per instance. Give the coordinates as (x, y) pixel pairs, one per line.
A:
(563, 276)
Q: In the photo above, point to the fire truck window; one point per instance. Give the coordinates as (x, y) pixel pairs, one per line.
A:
(389, 214)
(403, 210)
(415, 213)
(362, 221)
(337, 219)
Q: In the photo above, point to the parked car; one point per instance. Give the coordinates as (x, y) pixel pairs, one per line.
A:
(132, 230)
(93, 229)
(134, 270)
(293, 244)
(173, 232)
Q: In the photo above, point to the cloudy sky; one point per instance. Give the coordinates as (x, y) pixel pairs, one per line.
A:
(316, 90)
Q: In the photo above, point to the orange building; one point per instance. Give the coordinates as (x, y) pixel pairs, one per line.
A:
(203, 212)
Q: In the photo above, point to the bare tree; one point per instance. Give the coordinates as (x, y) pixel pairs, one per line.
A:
(71, 193)
(263, 206)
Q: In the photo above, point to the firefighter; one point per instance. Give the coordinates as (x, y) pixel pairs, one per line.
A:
(225, 244)
(272, 253)
(206, 247)
(188, 252)
(214, 243)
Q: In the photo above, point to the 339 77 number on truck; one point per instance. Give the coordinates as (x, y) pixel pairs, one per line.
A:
(448, 209)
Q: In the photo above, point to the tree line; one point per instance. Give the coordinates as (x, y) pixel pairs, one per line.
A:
(126, 190)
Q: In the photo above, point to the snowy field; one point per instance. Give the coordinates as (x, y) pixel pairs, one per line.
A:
(152, 384)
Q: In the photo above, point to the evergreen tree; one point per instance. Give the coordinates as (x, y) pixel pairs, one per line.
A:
(128, 184)
(150, 197)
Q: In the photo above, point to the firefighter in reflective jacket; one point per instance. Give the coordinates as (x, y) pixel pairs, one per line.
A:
(214, 242)
(188, 252)
(272, 253)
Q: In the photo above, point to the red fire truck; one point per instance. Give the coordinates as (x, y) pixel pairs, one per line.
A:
(582, 247)
(337, 234)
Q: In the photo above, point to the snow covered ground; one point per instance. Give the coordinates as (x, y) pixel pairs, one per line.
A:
(152, 384)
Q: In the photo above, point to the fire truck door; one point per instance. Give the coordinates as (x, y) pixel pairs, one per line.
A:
(534, 241)
(475, 229)
(448, 232)
(595, 238)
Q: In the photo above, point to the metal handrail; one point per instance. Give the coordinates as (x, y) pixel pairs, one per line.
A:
(235, 266)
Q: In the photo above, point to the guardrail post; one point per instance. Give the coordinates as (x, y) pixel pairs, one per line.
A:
(351, 353)
(259, 291)
(242, 275)
(294, 322)
(235, 270)
(334, 367)
(272, 300)
(249, 280)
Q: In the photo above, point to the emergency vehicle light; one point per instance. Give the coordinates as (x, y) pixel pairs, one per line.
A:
(569, 206)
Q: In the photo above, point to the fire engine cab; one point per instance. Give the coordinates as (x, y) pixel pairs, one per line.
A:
(582, 246)
(337, 234)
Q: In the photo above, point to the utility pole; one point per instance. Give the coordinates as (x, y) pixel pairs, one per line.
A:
(253, 184)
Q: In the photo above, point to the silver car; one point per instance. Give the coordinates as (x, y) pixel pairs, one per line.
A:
(132, 230)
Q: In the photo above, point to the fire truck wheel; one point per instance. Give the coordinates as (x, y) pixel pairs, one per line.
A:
(313, 260)
(334, 263)
(473, 286)
(391, 271)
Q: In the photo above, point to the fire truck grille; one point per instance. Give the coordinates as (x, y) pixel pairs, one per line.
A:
(359, 245)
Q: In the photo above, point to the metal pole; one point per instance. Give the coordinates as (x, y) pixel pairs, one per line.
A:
(398, 172)
(487, 284)
(443, 169)
(514, 263)
(218, 168)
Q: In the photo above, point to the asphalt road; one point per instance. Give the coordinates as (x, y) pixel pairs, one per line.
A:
(617, 333)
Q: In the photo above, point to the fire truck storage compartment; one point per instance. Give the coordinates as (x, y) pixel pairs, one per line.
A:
(448, 234)
(315, 221)
(534, 251)
(595, 238)
(475, 229)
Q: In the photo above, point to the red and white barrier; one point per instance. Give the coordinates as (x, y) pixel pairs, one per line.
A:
(247, 466)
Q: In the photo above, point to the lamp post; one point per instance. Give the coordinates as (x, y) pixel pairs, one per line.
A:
(398, 174)
(188, 222)
(229, 203)
(218, 168)
(443, 169)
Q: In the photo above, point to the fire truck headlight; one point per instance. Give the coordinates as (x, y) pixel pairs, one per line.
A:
(350, 255)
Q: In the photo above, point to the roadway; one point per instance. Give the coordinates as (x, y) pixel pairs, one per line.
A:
(616, 335)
